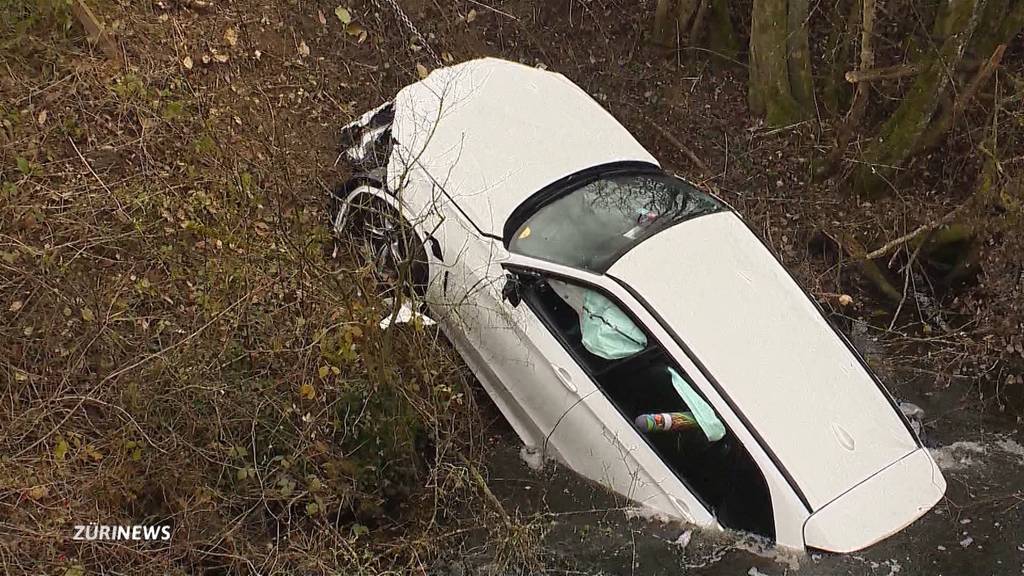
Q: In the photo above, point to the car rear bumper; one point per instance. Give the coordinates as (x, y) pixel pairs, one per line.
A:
(878, 507)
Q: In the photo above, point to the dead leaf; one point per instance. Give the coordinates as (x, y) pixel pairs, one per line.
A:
(231, 36)
(471, 16)
(356, 30)
(16, 305)
(222, 58)
(187, 62)
(845, 300)
(303, 49)
(321, 18)
(60, 450)
(87, 315)
(38, 492)
(343, 14)
(422, 71)
(41, 119)
(307, 391)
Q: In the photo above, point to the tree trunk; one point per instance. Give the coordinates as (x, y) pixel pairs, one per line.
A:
(664, 27)
(899, 135)
(769, 88)
(801, 84)
(837, 90)
(721, 38)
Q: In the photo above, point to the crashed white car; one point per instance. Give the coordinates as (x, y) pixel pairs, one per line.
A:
(626, 322)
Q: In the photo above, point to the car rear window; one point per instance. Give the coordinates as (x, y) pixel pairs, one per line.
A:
(592, 226)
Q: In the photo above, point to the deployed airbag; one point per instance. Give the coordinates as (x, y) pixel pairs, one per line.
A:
(607, 331)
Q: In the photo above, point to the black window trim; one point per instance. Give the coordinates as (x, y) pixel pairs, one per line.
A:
(557, 335)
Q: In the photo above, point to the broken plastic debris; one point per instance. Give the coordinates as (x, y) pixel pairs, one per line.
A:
(405, 315)
(532, 456)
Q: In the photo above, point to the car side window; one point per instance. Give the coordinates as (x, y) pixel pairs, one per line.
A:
(656, 396)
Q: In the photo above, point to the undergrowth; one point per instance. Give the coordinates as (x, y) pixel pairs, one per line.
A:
(182, 344)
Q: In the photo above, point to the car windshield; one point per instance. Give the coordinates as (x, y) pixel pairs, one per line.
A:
(592, 226)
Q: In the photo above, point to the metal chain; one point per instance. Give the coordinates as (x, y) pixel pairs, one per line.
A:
(434, 58)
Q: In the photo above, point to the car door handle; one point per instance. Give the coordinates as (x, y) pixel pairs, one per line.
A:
(565, 378)
(681, 507)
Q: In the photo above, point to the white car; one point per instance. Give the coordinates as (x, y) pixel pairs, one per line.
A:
(624, 321)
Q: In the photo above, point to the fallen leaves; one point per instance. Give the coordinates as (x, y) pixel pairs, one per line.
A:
(422, 71)
(343, 15)
(307, 391)
(303, 49)
(187, 62)
(60, 450)
(231, 36)
(38, 492)
(358, 31)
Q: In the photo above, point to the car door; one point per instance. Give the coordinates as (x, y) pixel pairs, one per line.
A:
(589, 433)
(495, 339)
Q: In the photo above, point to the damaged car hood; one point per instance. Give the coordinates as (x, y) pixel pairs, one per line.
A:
(490, 133)
(772, 353)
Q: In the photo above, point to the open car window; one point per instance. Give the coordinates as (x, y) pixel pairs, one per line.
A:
(652, 392)
(608, 333)
(592, 226)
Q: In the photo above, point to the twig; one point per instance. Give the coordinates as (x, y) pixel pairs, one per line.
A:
(95, 175)
(488, 495)
(493, 9)
(927, 227)
(906, 283)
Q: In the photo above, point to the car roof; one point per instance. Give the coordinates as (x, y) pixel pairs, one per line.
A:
(492, 132)
(770, 352)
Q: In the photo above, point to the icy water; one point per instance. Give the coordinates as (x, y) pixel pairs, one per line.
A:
(978, 529)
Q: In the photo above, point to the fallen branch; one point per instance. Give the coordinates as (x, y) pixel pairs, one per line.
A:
(697, 162)
(927, 227)
(856, 250)
(94, 28)
(887, 73)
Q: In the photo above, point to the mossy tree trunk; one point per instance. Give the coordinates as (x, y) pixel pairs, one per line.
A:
(899, 136)
(780, 87)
